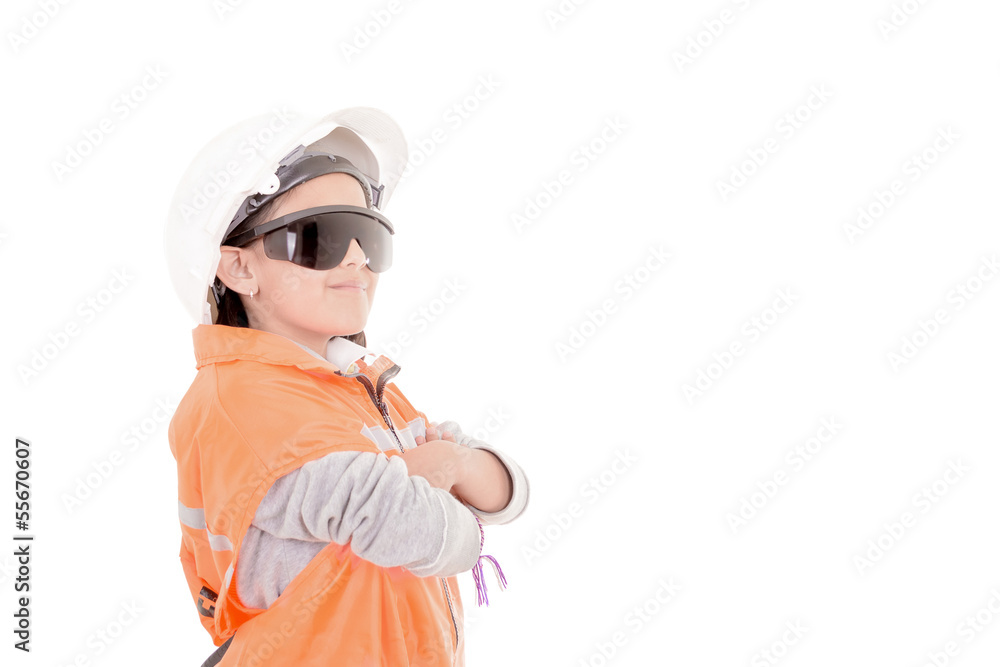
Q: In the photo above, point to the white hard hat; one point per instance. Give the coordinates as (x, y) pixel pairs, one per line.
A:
(242, 161)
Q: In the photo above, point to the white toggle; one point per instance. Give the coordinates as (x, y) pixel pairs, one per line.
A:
(268, 184)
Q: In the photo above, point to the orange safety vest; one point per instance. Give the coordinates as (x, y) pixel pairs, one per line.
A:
(259, 407)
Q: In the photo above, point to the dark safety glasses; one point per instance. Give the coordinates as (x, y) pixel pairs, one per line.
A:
(318, 238)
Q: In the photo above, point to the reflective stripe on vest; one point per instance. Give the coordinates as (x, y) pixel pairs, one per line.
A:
(194, 517)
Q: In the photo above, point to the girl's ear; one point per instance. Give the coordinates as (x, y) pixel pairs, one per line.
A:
(234, 268)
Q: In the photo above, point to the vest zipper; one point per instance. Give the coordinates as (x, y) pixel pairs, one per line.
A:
(447, 595)
(375, 393)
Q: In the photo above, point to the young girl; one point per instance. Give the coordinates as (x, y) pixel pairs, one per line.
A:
(323, 518)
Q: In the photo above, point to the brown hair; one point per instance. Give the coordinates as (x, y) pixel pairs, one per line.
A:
(230, 310)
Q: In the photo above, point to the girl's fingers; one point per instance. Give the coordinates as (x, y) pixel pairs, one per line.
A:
(432, 434)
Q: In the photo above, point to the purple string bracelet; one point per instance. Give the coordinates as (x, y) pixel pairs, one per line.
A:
(477, 570)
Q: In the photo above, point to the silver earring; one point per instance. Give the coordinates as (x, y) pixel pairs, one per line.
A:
(251, 295)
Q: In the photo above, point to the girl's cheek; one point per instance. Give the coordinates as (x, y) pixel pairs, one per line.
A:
(291, 281)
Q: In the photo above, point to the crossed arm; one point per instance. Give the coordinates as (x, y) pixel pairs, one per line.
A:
(475, 476)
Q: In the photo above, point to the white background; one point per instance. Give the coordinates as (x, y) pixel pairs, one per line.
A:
(575, 581)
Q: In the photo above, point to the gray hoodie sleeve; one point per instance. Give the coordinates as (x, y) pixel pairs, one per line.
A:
(519, 482)
(390, 518)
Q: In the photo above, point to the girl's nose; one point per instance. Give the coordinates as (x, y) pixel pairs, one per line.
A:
(355, 255)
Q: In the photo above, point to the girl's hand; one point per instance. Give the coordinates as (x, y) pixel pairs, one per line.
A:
(432, 434)
(440, 462)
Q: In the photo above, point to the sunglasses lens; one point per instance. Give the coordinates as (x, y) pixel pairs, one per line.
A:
(321, 241)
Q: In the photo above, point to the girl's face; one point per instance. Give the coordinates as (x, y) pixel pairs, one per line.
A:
(296, 302)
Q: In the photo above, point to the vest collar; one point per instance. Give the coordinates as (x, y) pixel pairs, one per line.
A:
(214, 343)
